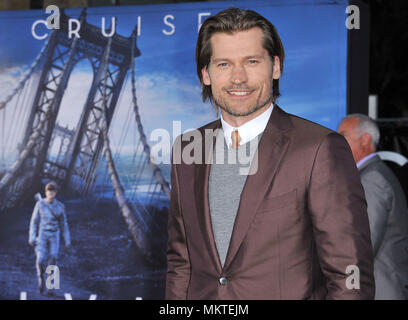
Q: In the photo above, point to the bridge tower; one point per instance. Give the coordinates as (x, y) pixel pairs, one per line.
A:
(80, 148)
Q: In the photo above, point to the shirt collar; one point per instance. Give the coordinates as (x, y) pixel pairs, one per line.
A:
(248, 130)
(365, 159)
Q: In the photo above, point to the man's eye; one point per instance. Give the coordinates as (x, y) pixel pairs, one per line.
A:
(253, 61)
(222, 64)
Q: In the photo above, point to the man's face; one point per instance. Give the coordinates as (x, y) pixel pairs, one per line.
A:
(347, 128)
(50, 194)
(240, 72)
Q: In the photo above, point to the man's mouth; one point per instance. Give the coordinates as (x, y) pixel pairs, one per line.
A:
(239, 93)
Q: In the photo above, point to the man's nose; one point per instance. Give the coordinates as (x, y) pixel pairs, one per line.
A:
(239, 75)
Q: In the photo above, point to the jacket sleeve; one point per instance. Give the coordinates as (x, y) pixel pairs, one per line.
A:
(340, 223)
(64, 227)
(34, 224)
(178, 262)
(379, 197)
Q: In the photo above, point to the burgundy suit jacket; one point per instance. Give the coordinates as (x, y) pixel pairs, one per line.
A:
(302, 220)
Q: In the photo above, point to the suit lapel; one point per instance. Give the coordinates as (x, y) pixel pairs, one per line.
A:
(201, 175)
(271, 149)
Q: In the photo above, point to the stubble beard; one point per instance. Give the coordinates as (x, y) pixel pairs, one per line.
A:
(258, 105)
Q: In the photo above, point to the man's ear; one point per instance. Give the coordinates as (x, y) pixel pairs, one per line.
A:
(276, 68)
(367, 141)
(206, 76)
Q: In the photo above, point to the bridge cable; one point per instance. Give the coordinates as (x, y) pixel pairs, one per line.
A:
(127, 212)
(26, 75)
(157, 171)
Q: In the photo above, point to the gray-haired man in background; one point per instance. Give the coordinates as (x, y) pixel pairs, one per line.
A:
(386, 206)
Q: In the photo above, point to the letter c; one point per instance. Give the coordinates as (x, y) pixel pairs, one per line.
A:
(37, 22)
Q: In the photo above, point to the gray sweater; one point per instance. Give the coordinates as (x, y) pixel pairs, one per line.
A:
(227, 179)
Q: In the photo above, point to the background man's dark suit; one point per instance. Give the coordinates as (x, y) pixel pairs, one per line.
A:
(388, 219)
(302, 220)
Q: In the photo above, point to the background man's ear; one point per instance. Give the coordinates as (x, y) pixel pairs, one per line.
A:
(366, 139)
(206, 76)
(276, 68)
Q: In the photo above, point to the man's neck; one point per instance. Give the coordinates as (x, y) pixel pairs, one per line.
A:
(365, 153)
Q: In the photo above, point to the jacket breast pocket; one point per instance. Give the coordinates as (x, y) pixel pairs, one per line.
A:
(283, 201)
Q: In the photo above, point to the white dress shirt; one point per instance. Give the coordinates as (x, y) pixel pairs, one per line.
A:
(248, 130)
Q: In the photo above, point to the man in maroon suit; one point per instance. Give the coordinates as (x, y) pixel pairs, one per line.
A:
(295, 226)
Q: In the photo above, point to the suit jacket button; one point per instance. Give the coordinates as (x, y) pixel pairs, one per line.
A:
(223, 281)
